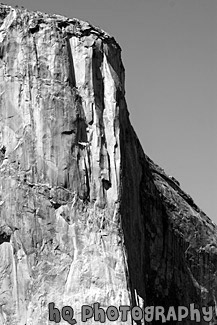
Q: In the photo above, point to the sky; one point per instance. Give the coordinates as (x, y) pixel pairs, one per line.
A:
(169, 50)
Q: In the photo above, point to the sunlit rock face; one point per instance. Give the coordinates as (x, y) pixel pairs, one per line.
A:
(85, 215)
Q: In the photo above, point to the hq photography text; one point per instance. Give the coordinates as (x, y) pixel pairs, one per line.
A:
(125, 313)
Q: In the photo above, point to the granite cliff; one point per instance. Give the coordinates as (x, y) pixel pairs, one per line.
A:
(85, 215)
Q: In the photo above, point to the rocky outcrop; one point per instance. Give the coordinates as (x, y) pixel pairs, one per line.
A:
(85, 215)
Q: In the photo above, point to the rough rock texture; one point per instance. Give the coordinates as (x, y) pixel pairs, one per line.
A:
(85, 215)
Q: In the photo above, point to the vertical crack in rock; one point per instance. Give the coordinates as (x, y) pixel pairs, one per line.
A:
(85, 215)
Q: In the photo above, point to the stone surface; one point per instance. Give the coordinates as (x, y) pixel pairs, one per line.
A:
(85, 215)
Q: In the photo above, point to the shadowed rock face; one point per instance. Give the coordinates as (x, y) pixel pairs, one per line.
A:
(85, 215)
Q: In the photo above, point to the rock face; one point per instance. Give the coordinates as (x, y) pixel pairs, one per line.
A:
(85, 215)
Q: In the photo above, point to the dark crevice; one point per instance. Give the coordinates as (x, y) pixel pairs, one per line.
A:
(55, 205)
(2, 153)
(3, 150)
(34, 29)
(81, 133)
(106, 184)
(4, 238)
(71, 76)
(87, 183)
(4, 11)
(109, 167)
(68, 132)
(62, 24)
(2, 51)
(98, 80)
